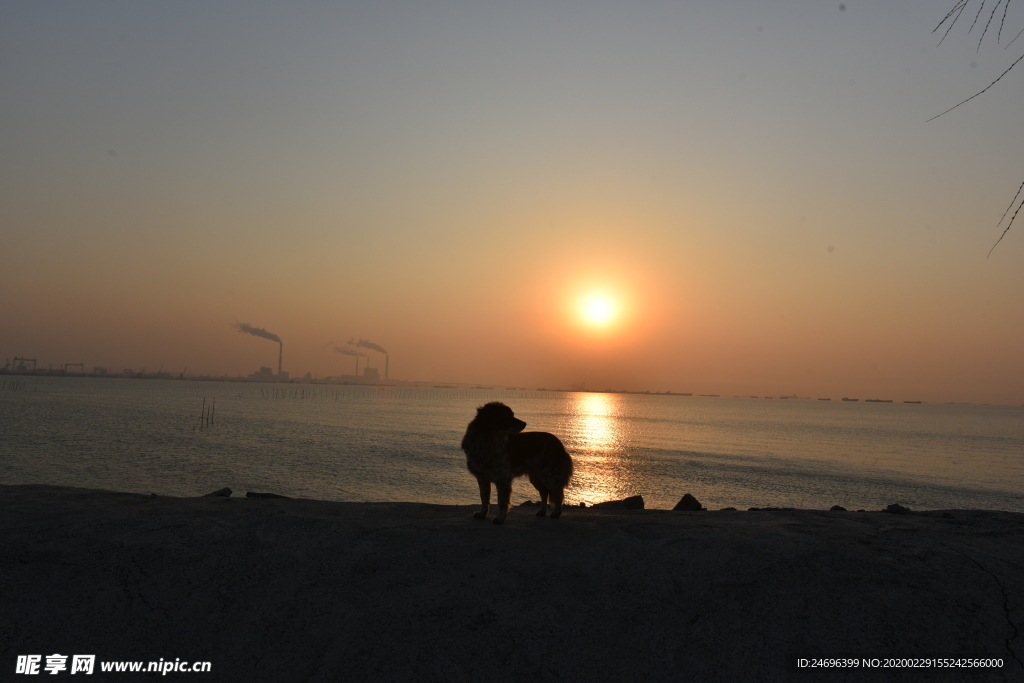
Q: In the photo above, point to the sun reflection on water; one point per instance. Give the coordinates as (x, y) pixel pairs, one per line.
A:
(594, 417)
(598, 444)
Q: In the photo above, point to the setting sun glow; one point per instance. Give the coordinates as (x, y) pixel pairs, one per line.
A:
(598, 309)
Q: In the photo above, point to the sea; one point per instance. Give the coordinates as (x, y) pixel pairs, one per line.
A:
(361, 443)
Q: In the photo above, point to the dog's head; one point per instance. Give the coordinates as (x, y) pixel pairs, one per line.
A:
(497, 416)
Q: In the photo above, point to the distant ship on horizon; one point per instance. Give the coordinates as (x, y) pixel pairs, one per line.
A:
(851, 399)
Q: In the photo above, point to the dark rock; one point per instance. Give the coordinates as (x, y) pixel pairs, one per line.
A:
(253, 494)
(753, 509)
(634, 503)
(582, 504)
(222, 492)
(837, 508)
(897, 509)
(731, 509)
(529, 504)
(631, 503)
(688, 504)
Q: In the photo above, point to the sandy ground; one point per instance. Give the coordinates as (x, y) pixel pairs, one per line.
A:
(304, 590)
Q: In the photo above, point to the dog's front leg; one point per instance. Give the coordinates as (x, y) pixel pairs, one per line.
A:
(543, 503)
(485, 498)
(557, 496)
(504, 498)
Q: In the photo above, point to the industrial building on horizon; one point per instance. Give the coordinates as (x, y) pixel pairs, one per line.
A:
(265, 374)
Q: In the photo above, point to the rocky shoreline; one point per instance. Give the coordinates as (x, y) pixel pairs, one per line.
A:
(275, 589)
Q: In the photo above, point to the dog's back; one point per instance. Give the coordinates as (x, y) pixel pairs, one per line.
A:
(541, 456)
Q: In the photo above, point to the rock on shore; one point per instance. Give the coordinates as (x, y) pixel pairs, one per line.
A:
(273, 589)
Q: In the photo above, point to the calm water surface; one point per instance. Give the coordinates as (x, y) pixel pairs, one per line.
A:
(394, 444)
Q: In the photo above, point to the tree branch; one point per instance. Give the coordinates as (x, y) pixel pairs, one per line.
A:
(978, 93)
(1011, 219)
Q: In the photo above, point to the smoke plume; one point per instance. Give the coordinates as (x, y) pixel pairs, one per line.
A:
(348, 352)
(367, 344)
(258, 332)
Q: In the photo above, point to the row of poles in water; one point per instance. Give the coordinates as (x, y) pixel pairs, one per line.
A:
(206, 414)
(208, 410)
(336, 394)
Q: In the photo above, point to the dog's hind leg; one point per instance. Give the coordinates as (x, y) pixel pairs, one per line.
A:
(504, 496)
(543, 502)
(557, 496)
(538, 483)
(485, 498)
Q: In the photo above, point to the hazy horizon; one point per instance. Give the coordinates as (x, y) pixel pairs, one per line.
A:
(753, 188)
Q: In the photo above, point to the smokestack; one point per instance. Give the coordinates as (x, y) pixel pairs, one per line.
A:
(367, 344)
(350, 352)
(260, 332)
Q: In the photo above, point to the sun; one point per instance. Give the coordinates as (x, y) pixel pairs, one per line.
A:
(598, 309)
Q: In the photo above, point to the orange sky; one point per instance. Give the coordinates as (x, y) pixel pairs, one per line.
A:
(756, 185)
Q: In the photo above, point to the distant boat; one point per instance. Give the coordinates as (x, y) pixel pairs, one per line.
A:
(480, 387)
(911, 401)
(851, 399)
(878, 400)
(828, 399)
(443, 386)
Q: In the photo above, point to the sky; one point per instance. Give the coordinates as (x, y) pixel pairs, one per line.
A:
(754, 188)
